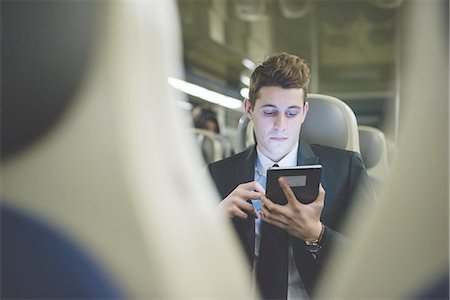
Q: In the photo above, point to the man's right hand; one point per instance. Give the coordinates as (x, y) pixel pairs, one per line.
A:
(238, 202)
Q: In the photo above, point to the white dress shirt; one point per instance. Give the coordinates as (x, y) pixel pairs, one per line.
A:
(295, 285)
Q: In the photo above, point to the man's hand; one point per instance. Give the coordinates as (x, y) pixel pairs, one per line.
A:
(298, 219)
(237, 203)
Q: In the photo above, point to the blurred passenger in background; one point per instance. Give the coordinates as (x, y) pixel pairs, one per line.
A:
(205, 118)
(213, 145)
(286, 245)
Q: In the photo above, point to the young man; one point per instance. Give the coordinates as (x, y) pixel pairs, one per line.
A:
(288, 248)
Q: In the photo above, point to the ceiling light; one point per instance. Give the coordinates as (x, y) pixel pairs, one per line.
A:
(248, 63)
(244, 92)
(205, 94)
(245, 80)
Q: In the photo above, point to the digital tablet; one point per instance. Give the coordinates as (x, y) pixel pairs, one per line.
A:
(303, 180)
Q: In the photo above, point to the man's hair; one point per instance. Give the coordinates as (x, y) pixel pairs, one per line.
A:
(282, 70)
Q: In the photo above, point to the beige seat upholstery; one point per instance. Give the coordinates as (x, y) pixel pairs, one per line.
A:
(329, 122)
(98, 148)
(212, 145)
(374, 152)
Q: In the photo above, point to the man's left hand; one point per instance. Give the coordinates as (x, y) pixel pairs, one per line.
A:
(298, 219)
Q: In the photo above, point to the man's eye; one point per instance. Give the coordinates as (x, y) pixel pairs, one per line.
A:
(270, 113)
(291, 114)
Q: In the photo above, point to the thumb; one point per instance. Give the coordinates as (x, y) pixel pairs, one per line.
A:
(258, 187)
(290, 196)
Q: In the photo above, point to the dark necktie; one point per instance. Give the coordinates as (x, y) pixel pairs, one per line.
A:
(272, 268)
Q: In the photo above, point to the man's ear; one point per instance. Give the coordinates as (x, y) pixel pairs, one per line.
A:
(305, 110)
(248, 109)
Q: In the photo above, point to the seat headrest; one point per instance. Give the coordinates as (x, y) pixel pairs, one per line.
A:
(330, 122)
(108, 151)
(372, 142)
(210, 146)
(45, 50)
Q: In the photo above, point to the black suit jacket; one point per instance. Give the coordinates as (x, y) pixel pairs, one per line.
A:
(343, 172)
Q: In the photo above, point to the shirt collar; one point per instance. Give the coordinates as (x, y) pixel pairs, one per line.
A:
(263, 162)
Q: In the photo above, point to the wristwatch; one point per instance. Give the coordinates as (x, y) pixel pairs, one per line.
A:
(314, 246)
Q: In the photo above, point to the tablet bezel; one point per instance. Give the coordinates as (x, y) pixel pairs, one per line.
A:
(306, 192)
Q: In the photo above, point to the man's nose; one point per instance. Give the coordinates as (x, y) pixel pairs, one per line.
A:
(280, 122)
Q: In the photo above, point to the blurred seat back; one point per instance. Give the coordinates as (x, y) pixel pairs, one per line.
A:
(374, 153)
(45, 55)
(213, 146)
(38, 261)
(329, 122)
(85, 151)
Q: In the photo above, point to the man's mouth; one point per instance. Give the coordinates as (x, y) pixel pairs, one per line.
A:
(278, 139)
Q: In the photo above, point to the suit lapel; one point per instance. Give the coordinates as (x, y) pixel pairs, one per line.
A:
(245, 172)
(245, 168)
(305, 154)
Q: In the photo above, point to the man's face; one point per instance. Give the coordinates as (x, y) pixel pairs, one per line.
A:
(277, 118)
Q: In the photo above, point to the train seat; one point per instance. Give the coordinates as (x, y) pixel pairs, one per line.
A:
(95, 151)
(374, 153)
(213, 146)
